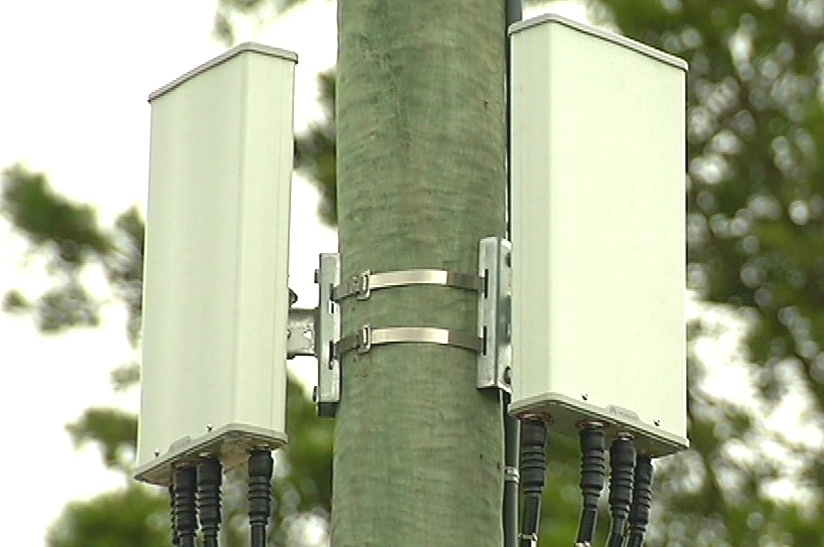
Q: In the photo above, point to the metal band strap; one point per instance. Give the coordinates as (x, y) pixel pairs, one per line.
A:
(511, 474)
(366, 337)
(363, 284)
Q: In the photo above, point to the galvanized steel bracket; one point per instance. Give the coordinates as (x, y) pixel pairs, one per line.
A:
(327, 392)
(318, 332)
(300, 334)
(494, 314)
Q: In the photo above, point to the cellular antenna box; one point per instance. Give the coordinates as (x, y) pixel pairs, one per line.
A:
(215, 304)
(598, 171)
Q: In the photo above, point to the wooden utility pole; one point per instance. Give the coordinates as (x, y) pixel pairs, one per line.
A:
(421, 179)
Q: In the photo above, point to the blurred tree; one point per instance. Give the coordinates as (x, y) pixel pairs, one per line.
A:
(130, 516)
(315, 150)
(230, 13)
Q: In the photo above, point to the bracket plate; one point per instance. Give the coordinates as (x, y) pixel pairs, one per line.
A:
(327, 333)
(300, 337)
(494, 314)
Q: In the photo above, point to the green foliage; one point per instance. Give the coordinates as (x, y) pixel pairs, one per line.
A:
(123, 266)
(67, 235)
(48, 218)
(14, 301)
(70, 238)
(125, 376)
(315, 151)
(228, 12)
(113, 430)
(129, 517)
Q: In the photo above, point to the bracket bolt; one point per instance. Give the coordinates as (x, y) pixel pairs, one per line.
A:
(156, 452)
(209, 427)
(657, 422)
(585, 396)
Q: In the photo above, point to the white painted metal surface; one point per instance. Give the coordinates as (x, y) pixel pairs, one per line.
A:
(598, 163)
(217, 248)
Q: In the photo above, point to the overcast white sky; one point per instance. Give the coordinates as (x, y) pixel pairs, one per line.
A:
(74, 82)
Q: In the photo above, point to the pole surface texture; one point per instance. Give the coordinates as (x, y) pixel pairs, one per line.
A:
(421, 144)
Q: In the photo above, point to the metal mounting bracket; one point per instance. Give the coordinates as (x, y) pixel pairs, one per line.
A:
(300, 336)
(494, 314)
(366, 337)
(327, 393)
(318, 332)
(362, 285)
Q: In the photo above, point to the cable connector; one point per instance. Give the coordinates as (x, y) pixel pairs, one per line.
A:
(261, 467)
(622, 464)
(593, 466)
(209, 477)
(533, 476)
(641, 500)
(185, 484)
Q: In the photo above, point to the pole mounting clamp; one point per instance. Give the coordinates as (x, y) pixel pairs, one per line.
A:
(494, 314)
(327, 333)
(366, 337)
(362, 285)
